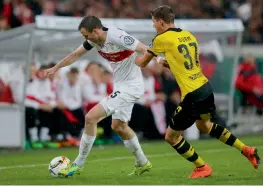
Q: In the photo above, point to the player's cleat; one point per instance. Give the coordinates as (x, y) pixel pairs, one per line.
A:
(201, 172)
(70, 170)
(251, 153)
(140, 170)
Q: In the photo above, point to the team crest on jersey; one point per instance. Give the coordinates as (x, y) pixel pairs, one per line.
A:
(129, 40)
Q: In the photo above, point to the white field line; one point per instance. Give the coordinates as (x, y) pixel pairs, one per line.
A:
(122, 158)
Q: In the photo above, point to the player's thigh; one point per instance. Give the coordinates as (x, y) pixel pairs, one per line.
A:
(182, 118)
(205, 108)
(120, 106)
(123, 113)
(96, 114)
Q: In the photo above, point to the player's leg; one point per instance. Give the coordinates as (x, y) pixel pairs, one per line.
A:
(180, 121)
(120, 104)
(221, 133)
(225, 136)
(132, 144)
(95, 115)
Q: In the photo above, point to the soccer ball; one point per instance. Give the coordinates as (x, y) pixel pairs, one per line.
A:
(57, 164)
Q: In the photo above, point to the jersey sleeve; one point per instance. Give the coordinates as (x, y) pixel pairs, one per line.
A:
(156, 47)
(124, 39)
(87, 45)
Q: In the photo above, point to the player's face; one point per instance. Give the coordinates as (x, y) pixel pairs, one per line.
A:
(92, 36)
(157, 24)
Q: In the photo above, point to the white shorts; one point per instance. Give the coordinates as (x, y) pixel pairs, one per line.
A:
(120, 103)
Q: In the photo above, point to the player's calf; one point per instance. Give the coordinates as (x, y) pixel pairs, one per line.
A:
(122, 129)
(228, 138)
(220, 133)
(175, 139)
(131, 143)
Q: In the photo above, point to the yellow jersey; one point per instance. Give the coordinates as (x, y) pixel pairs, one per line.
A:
(181, 50)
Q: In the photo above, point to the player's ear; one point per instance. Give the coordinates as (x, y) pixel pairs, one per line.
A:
(93, 31)
(161, 22)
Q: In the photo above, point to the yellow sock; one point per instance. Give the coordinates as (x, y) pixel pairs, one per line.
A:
(188, 152)
(225, 136)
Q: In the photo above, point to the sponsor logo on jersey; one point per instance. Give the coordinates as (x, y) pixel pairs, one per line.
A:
(128, 40)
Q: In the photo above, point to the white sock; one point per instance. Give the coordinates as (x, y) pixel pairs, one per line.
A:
(133, 146)
(84, 149)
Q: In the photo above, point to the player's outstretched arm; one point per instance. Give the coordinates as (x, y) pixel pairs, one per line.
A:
(141, 48)
(154, 50)
(68, 60)
(143, 61)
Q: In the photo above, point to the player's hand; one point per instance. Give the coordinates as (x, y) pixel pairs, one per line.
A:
(50, 72)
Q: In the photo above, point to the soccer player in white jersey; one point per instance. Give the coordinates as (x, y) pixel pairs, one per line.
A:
(119, 48)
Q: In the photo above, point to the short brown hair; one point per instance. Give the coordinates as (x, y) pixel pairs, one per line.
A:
(90, 23)
(164, 13)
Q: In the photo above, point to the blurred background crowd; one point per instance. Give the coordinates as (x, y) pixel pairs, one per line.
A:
(19, 12)
(55, 107)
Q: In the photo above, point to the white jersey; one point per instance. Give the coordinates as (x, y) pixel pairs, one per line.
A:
(119, 50)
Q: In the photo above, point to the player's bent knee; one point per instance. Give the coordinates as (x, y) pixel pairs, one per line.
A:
(203, 125)
(168, 138)
(119, 127)
(172, 140)
(89, 119)
(172, 137)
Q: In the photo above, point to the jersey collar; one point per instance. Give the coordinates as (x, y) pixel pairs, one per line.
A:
(174, 29)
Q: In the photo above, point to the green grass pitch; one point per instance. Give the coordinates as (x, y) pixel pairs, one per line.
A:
(111, 164)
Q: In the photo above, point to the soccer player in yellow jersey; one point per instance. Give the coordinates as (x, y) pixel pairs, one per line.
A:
(181, 51)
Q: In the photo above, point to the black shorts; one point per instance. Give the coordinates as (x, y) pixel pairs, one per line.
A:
(196, 105)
